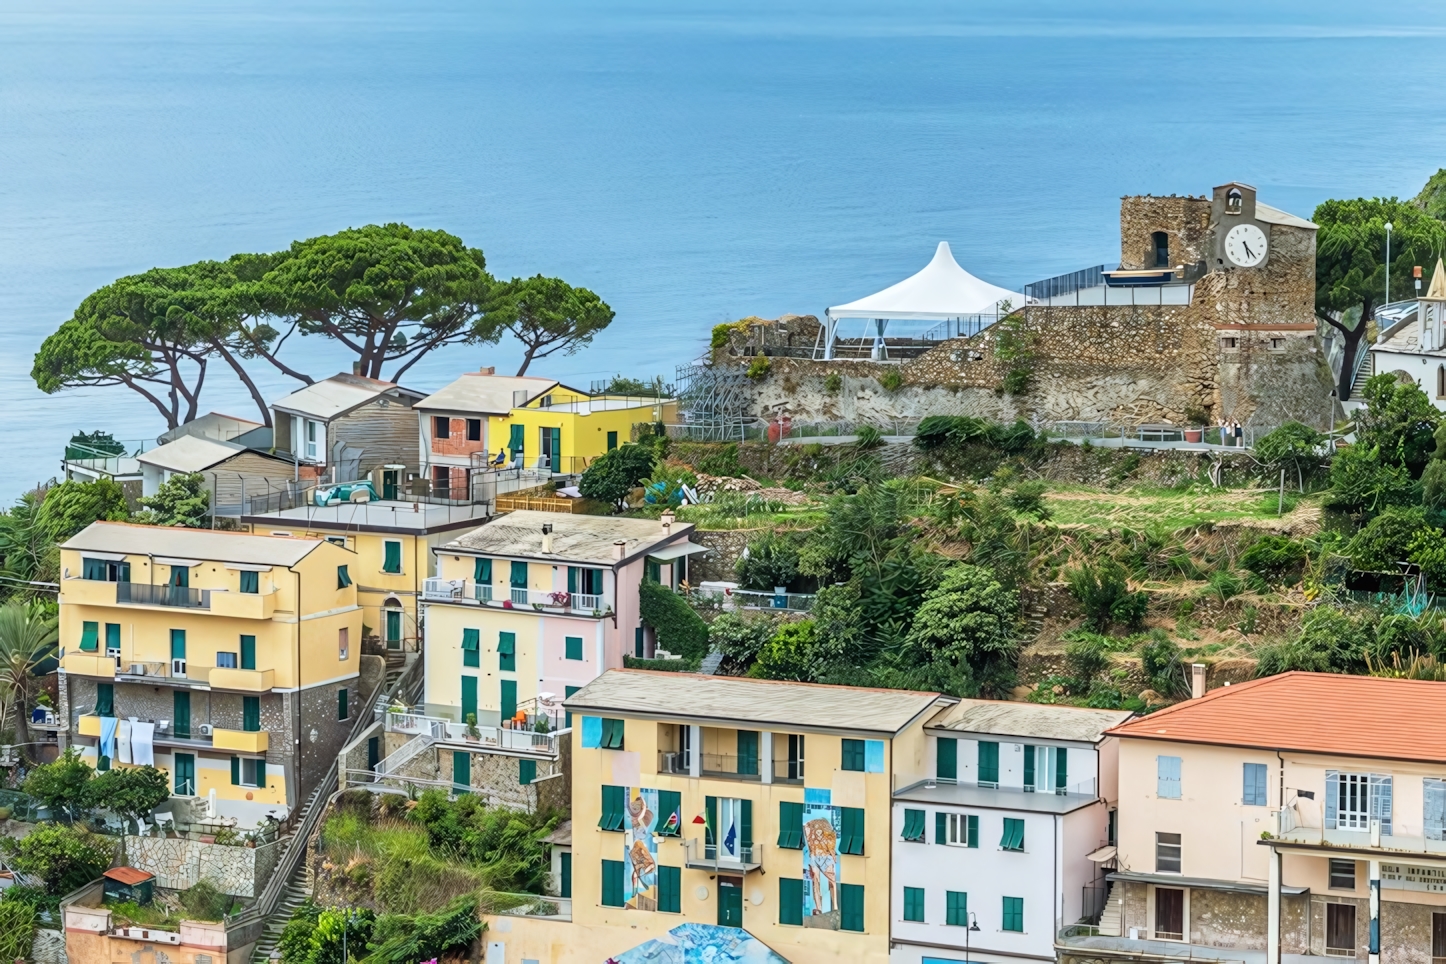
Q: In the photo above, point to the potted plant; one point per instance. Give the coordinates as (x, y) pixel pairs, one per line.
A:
(537, 606)
(473, 734)
(561, 599)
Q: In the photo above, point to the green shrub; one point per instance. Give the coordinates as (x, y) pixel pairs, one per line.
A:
(398, 939)
(791, 654)
(679, 629)
(723, 461)
(891, 380)
(17, 930)
(203, 901)
(62, 856)
(1225, 584)
(833, 384)
(1104, 592)
(770, 561)
(1276, 559)
(868, 437)
(612, 475)
(1160, 661)
(1027, 498)
(1016, 381)
(740, 636)
(658, 665)
(1087, 655)
(759, 368)
(1386, 540)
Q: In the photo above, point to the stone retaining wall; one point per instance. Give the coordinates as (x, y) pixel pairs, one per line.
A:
(182, 863)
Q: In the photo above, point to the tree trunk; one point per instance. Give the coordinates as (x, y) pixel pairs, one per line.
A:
(240, 371)
(1352, 337)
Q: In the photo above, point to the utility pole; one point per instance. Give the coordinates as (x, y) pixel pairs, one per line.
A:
(1388, 262)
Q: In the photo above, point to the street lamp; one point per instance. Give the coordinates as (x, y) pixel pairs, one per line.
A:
(1388, 262)
(973, 926)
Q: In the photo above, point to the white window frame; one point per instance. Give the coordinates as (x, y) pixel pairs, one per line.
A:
(234, 658)
(1179, 856)
(249, 763)
(1354, 819)
(957, 829)
(310, 445)
(1184, 914)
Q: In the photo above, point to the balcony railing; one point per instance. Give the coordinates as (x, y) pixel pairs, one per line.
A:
(143, 594)
(699, 855)
(443, 589)
(724, 765)
(495, 737)
(487, 594)
(532, 905)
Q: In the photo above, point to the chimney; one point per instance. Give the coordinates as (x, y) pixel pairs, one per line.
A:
(356, 368)
(667, 520)
(487, 370)
(618, 548)
(1197, 680)
(547, 538)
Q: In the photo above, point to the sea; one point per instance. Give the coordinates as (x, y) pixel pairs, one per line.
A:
(693, 161)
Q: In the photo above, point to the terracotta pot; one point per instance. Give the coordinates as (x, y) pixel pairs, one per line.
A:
(1194, 434)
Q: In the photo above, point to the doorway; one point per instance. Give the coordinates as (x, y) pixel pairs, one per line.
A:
(552, 448)
(730, 901)
(389, 484)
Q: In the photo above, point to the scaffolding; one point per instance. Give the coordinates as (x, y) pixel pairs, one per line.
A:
(713, 402)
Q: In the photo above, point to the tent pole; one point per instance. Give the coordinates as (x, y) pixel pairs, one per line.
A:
(828, 324)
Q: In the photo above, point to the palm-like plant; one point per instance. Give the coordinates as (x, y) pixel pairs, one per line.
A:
(28, 634)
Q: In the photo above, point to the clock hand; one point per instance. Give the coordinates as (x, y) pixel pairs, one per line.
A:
(1248, 252)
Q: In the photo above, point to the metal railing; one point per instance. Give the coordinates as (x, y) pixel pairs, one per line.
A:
(795, 602)
(432, 729)
(1124, 434)
(711, 856)
(443, 589)
(487, 594)
(532, 905)
(1064, 284)
(144, 594)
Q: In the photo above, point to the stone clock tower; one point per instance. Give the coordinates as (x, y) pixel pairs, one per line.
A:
(1238, 239)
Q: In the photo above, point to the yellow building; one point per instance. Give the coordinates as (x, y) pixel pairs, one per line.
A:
(530, 422)
(750, 810)
(393, 541)
(229, 660)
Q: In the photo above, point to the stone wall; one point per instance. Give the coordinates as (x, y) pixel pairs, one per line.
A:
(180, 863)
(1185, 219)
(726, 547)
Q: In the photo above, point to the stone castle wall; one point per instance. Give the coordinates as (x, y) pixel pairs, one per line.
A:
(181, 863)
(1185, 219)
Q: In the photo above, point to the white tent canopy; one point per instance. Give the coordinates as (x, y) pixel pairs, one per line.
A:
(942, 290)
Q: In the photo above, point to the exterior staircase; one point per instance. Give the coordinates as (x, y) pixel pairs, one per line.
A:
(1113, 917)
(709, 666)
(1365, 368)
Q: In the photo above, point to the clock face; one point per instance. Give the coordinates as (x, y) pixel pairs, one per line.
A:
(1245, 245)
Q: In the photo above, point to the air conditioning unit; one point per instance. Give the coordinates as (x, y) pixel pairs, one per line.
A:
(138, 669)
(670, 763)
(178, 667)
(205, 729)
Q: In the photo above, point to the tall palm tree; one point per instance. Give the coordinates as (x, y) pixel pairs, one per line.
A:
(28, 635)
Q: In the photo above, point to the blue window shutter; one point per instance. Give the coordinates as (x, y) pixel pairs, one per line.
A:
(1332, 800)
(1168, 771)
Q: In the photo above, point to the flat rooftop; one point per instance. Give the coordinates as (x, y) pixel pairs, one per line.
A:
(992, 798)
(1032, 720)
(126, 538)
(385, 515)
(733, 701)
(575, 538)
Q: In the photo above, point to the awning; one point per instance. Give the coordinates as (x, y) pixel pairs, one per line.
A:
(1202, 883)
(247, 567)
(105, 556)
(677, 549)
(183, 563)
(1103, 854)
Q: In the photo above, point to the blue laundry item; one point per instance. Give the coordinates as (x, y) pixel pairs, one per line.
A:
(731, 839)
(107, 736)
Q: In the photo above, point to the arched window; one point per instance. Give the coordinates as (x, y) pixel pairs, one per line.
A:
(1161, 243)
(1234, 201)
(392, 617)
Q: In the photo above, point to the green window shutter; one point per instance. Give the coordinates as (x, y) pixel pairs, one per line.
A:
(914, 825)
(851, 907)
(790, 900)
(941, 827)
(391, 557)
(1028, 767)
(1061, 768)
(251, 713)
(526, 771)
(181, 713)
(745, 829)
(790, 826)
(1013, 838)
(516, 434)
(250, 581)
(471, 658)
(105, 699)
(343, 579)
(567, 692)
(946, 759)
(612, 734)
(469, 697)
(670, 805)
(574, 647)
(988, 762)
(851, 835)
(612, 883)
(248, 652)
(914, 904)
(341, 705)
(612, 441)
(748, 752)
(482, 571)
(519, 575)
(178, 644)
(509, 698)
(614, 808)
(93, 569)
(852, 755)
(461, 769)
(973, 827)
(507, 652)
(572, 580)
(235, 771)
(89, 636)
(670, 890)
(261, 774)
(710, 820)
(472, 648)
(565, 890)
(956, 908)
(1014, 914)
(112, 636)
(185, 774)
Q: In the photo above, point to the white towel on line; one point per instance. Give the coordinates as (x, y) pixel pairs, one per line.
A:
(142, 749)
(123, 741)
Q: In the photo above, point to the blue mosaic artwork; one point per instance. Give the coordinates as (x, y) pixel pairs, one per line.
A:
(701, 944)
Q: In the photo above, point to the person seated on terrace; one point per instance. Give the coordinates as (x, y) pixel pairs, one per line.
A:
(501, 457)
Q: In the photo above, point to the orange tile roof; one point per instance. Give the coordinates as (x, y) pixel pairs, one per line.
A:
(1362, 716)
(128, 875)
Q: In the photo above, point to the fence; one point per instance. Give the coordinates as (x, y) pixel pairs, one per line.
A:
(1065, 284)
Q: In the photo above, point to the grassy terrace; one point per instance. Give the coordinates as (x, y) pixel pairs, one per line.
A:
(1075, 506)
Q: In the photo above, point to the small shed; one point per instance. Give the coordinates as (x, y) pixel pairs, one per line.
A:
(129, 884)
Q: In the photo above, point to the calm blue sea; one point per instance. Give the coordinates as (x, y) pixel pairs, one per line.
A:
(693, 162)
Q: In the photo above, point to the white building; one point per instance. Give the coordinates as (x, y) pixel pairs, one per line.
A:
(1004, 844)
(1415, 345)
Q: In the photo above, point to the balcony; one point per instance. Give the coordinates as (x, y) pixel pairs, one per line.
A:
(241, 741)
(466, 592)
(172, 597)
(727, 767)
(75, 591)
(89, 664)
(533, 905)
(488, 737)
(710, 857)
(244, 605)
(244, 680)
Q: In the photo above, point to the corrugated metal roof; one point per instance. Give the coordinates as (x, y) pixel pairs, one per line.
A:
(190, 453)
(337, 395)
(998, 717)
(485, 394)
(206, 544)
(575, 538)
(1327, 713)
(732, 700)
